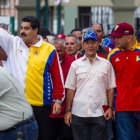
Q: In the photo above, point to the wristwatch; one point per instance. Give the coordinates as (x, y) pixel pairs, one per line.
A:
(67, 110)
(58, 101)
(111, 107)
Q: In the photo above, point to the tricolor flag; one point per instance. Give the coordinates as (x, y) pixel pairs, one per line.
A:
(57, 2)
(137, 58)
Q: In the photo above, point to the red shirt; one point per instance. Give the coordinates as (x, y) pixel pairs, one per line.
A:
(65, 65)
(126, 64)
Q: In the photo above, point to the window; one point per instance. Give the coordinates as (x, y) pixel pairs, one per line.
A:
(96, 14)
(103, 15)
(84, 17)
(137, 19)
(5, 3)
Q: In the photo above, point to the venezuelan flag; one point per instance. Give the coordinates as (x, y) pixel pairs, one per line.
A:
(137, 58)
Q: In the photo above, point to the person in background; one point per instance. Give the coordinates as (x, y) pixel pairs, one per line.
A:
(89, 79)
(4, 26)
(72, 44)
(59, 128)
(44, 32)
(78, 33)
(16, 115)
(100, 31)
(62, 36)
(108, 43)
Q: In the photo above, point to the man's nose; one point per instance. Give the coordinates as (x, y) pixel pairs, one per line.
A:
(69, 45)
(22, 30)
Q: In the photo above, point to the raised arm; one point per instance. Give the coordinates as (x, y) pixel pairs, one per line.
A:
(6, 40)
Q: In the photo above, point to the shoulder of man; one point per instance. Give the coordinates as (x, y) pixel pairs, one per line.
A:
(114, 52)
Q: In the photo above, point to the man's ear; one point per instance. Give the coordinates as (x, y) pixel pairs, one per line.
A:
(129, 38)
(36, 30)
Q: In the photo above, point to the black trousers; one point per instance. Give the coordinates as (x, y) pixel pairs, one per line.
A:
(89, 128)
(60, 130)
(41, 114)
(51, 128)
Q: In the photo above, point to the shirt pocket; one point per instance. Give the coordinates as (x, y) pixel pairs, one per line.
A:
(81, 73)
(100, 75)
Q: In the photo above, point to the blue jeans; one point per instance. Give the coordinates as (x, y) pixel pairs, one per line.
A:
(28, 131)
(128, 125)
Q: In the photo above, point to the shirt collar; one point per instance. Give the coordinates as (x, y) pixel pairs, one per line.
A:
(85, 58)
(39, 43)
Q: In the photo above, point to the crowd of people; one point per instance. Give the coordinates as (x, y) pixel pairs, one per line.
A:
(80, 86)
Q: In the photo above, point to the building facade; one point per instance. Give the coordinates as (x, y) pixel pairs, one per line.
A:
(9, 12)
(76, 13)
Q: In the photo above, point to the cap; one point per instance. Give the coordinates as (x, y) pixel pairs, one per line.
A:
(108, 42)
(89, 34)
(63, 36)
(122, 29)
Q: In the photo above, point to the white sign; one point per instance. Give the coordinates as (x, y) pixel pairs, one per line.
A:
(57, 2)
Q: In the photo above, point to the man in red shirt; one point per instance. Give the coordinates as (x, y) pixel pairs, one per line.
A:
(72, 44)
(126, 62)
(59, 128)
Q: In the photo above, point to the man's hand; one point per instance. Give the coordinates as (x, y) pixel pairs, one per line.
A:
(56, 108)
(109, 114)
(68, 118)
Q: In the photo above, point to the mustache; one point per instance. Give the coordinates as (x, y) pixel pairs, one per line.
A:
(22, 34)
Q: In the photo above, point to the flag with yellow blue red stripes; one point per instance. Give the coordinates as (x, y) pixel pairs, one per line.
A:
(138, 58)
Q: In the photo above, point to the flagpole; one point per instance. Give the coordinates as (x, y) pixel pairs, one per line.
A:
(38, 14)
(59, 18)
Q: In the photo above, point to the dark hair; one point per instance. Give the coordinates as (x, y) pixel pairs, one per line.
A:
(76, 29)
(33, 20)
(43, 31)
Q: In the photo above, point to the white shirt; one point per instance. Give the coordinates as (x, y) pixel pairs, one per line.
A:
(17, 53)
(91, 82)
